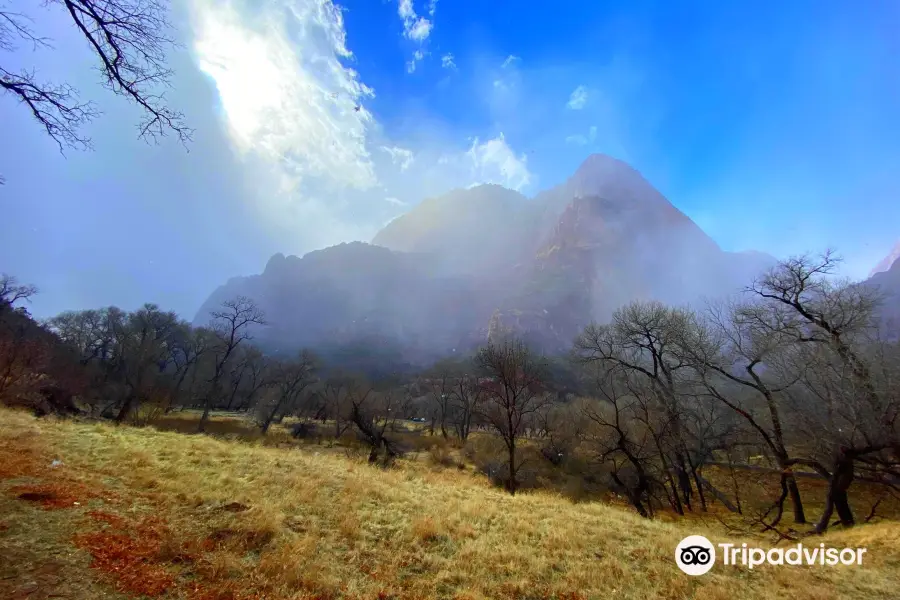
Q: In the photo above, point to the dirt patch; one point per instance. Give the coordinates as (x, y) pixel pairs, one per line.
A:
(234, 507)
(52, 496)
(246, 540)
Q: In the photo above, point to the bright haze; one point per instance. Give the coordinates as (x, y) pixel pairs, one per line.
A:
(773, 126)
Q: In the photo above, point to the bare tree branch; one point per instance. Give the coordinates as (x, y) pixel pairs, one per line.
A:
(130, 38)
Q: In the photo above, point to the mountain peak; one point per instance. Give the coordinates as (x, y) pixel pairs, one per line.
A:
(888, 261)
(608, 177)
(603, 161)
(275, 262)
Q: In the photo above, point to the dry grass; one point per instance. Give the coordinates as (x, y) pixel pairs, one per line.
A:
(163, 514)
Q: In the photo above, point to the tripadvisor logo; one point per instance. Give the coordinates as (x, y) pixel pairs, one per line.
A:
(696, 555)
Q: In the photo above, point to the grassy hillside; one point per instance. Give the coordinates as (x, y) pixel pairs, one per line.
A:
(128, 513)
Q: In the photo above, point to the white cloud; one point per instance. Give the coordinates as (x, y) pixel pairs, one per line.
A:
(578, 98)
(292, 109)
(395, 201)
(447, 61)
(401, 157)
(420, 30)
(405, 10)
(490, 161)
(286, 96)
(493, 161)
(509, 61)
(416, 28)
(417, 57)
(318, 168)
(583, 140)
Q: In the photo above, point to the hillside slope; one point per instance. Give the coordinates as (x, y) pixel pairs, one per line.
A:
(132, 512)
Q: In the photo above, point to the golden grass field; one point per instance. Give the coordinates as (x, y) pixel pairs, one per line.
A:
(138, 512)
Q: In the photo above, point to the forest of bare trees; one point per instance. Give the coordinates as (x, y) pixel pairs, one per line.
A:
(793, 375)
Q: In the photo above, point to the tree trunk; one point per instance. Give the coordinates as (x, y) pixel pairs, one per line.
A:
(796, 502)
(684, 480)
(719, 495)
(511, 483)
(205, 417)
(634, 495)
(696, 477)
(836, 499)
(126, 409)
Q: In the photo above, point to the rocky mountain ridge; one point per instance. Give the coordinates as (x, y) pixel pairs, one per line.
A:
(887, 262)
(455, 268)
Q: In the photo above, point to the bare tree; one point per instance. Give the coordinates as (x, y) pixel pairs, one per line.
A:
(560, 428)
(440, 380)
(12, 292)
(129, 38)
(291, 378)
(232, 325)
(373, 412)
(22, 357)
(738, 352)
(513, 394)
(646, 340)
(142, 345)
(336, 390)
(258, 374)
(832, 321)
(189, 346)
(627, 450)
(467, 396)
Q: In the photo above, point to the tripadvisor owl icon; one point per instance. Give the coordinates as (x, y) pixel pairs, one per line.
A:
(695, 555)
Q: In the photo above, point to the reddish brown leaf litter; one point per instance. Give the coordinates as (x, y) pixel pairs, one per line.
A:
(226, 591)
(130, 560)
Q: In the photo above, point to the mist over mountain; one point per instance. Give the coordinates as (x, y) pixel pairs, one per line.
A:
(887, 282)
(887, 262)
(475, 262)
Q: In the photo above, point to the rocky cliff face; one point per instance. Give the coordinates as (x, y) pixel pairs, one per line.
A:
(615, 239)
(479, 262)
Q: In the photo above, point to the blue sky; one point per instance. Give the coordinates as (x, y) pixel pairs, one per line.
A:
(774, 125)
